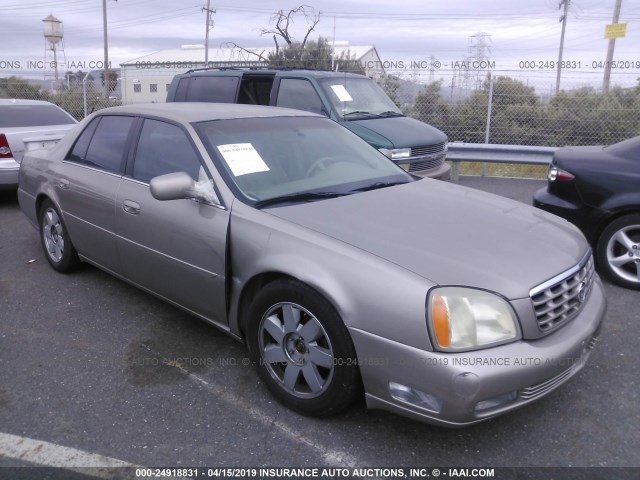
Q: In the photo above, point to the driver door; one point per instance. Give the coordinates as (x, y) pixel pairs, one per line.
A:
(175, 248)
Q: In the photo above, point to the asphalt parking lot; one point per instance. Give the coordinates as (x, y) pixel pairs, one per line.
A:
(90, 363)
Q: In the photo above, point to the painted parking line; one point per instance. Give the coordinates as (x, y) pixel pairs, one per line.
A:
(46, 454)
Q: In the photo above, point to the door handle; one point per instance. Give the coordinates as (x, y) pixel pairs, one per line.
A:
(62, 184)
(131, 207)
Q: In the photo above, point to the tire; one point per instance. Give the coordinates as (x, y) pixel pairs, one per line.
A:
(302, 350)
(57, 246)
(618, 251)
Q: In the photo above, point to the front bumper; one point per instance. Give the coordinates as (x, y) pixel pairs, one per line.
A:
(466, 388)
(9, 169)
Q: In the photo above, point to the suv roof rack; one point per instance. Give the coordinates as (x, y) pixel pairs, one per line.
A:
(260, 67)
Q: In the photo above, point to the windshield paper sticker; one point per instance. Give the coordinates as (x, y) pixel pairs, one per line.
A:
(341, 93)
(242, 158)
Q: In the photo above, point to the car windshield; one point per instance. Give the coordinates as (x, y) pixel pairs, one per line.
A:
(33, 116)
(295, 159)
(358, 98)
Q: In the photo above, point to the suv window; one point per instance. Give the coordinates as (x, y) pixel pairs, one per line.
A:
(102, 144)
(33, 116)
(299, 94)
(207, 89)
(255, 89)
(164, 148)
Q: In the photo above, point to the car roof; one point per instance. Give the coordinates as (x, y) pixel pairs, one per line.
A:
(190, 112)
(23, 101)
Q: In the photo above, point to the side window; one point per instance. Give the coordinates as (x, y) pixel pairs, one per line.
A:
(299, 94)
(164, 148)
(208, 89)
(79, 151)
(102, 144)
(255, 90)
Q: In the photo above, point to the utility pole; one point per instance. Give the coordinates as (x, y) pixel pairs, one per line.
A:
(208, 26)
(612, 46)
(106, 49)
(563, 19)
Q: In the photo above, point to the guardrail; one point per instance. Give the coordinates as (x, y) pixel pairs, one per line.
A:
(492, 153)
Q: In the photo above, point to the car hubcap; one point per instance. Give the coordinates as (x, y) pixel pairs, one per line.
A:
(296, 350)
(623, 253)
(53, 235)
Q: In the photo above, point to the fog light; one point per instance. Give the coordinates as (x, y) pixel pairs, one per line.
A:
(414, 397)
(495, 402)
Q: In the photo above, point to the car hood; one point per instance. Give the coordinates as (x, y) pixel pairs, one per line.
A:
(448, 234)
(395, 132)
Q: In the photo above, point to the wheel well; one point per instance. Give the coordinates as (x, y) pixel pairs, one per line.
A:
(604, 223)
(249, 291)
(40, 199)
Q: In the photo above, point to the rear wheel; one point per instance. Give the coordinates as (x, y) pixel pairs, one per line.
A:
(618, 251)
(55, 240)
(302, 350)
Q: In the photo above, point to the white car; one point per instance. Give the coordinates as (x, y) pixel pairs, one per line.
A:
(22, 120)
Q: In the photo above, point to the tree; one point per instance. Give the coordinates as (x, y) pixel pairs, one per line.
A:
(284, 21)
(15, 87)
(113, 81)
(292, 53)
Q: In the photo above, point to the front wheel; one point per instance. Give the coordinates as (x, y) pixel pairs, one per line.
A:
(618, 251)
(55, 240)
(302, 349)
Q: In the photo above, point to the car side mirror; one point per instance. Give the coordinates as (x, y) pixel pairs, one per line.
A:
(172, 186)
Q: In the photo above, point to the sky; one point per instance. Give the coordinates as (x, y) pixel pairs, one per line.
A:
(522, 36)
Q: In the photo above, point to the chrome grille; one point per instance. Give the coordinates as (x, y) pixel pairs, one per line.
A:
(560, 299)
(434, 149)
(426, 164)
(425, 157)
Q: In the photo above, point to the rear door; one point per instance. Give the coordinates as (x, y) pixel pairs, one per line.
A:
(175, 249)
(87, 182)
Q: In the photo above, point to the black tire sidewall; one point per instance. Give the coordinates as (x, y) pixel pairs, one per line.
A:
(69, 260)
(345, 383)
(601, 249)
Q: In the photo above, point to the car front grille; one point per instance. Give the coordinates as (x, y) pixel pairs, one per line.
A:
(559, 300)
(434, 149)
(427, 157)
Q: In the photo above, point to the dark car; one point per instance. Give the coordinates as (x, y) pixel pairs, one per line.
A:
(598, 190)
(354, 101)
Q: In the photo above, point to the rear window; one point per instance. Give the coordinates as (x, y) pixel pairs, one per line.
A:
(33, 116)
(207, 89)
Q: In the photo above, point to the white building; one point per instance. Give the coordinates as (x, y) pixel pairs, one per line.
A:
(147, 79)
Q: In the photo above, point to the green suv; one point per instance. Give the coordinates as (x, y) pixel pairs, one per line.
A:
(354, 101)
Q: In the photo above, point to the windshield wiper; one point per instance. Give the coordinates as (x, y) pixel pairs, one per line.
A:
(298, 197)
(391, 113)
(377, 185)
(361, 113)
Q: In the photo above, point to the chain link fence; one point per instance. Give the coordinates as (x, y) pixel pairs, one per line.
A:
(502, 108)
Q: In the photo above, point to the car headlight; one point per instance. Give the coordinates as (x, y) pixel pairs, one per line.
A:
(461, 319)
(396, 154)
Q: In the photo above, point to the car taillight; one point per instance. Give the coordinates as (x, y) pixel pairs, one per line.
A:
(558, 175)
(5, 151)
